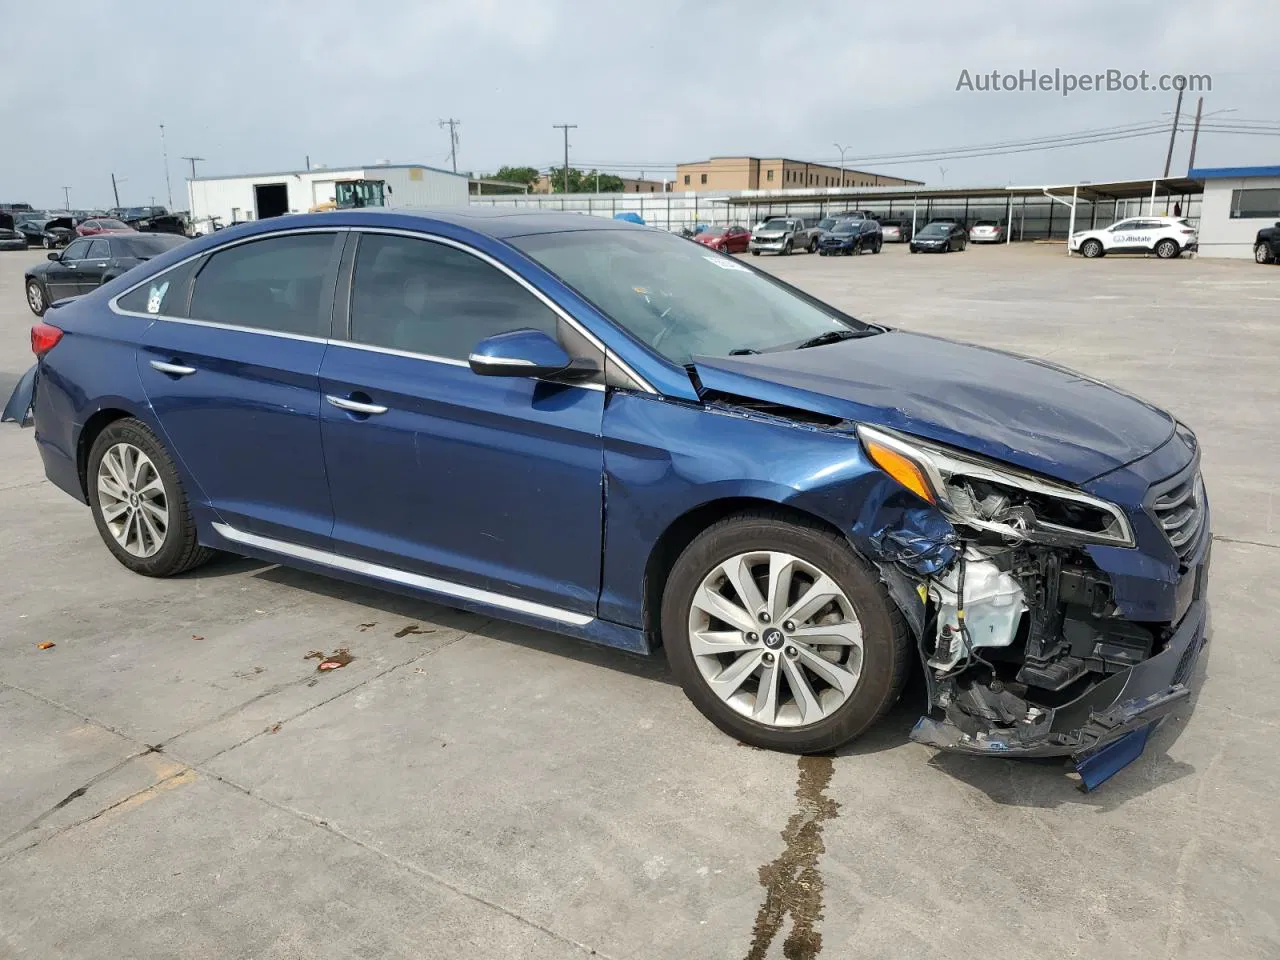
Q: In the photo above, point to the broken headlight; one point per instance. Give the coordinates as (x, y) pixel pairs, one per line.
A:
(989, 496)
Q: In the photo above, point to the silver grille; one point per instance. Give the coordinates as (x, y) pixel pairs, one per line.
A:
(1180, 512)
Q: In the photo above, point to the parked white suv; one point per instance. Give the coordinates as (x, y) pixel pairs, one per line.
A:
(1166, 237)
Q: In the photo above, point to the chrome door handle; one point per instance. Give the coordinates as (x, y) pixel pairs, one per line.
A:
(355, 406)
(176, 369)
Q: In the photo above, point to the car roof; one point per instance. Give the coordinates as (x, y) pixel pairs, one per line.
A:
(498, 222)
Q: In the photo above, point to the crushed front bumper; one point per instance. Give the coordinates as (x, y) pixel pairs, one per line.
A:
(1107, 727)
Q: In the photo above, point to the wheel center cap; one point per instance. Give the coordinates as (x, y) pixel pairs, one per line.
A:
(133, 499)
(773, 638)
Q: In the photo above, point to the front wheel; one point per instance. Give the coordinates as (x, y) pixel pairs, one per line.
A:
(786, 249)
(1091, 249)
(813, 245)
(138, 503)
(878, 245)
(780, 635)
(1167, 249)
(755, 253)
(36, 299)
(1262, 253)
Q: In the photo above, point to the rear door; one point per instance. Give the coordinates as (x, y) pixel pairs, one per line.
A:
(63, 276)
(234, 381)
(89, 271)
(491, 483)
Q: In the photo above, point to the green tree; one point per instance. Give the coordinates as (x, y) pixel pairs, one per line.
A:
(585, 181)
(525, 175)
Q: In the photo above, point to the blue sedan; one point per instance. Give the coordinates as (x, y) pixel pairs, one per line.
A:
(602, 429)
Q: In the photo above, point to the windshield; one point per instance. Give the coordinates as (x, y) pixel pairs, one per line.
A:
(145, 247)
(827, 223)
(778, 225)
(847, 226)
(111, 225)
(714, 232)
(680, 300)
(985, 223)
(936, 230)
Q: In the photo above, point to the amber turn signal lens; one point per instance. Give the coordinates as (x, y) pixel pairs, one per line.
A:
(901, 469)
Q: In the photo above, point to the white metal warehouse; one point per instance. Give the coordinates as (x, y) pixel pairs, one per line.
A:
(256, 196)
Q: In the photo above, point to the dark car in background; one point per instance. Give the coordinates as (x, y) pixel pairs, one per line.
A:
(88, 263)
(940, 236)
(10, 237)
(1266, 245)
(58, 232)
(850, 237)
(150, 219)
(733, 239)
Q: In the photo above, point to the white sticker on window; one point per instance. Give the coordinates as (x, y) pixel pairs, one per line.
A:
(724, 263)
(156, 297)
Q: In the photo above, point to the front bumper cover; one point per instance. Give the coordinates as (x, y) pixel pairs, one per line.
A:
(1107, 727)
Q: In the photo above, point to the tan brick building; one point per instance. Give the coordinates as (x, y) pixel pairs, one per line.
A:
(751, 173)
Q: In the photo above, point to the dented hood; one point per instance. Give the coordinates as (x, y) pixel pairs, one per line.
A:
(1023, 411)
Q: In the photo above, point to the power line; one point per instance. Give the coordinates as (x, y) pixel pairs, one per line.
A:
(566, 127)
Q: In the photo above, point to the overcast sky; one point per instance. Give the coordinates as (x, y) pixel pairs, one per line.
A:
(259, 85)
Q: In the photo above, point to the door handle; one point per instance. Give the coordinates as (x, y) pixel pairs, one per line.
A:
(173, 369)
(102, 264)
(355, 406)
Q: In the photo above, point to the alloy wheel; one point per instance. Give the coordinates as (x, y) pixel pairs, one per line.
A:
(35, 298)
(132, 499)
(775, 638)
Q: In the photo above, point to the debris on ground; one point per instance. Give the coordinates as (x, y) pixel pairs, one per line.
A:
(196, 637)
(332, 661)
(366, 626)
(274, 728)
(45, 645)
(411, 628)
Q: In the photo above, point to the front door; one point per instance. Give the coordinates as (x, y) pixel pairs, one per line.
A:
(62, 279)
(88, 272)
(485, 483)
(235, 381)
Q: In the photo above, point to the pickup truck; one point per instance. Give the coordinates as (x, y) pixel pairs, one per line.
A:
(785, 234)
(1266, 246)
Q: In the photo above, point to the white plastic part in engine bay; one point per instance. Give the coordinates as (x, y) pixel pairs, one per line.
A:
(993, 608)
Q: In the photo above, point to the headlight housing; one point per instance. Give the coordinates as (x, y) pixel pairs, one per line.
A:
(992, 497)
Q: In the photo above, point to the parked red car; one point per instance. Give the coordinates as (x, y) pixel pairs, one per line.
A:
(97, 225)
(725, 239)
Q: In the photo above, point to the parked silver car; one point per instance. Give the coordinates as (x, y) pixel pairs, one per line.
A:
(785, 234)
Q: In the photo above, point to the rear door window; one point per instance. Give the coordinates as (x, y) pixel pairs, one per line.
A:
(276, 284)
(164, 294)
(99, 250)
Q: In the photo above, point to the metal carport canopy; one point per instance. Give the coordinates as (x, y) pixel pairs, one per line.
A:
(1114, 190)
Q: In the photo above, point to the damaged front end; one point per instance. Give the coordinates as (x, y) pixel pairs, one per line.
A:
(1051, 620)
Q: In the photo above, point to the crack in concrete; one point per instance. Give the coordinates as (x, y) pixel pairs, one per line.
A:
(1248, 543)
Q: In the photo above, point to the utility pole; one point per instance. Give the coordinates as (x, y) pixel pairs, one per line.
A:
(1195, 135)
(165, 151)
(66, 199)
(452, 124)
(566, 127)
(193, 160)
(842, 153)
(115, 189)
(1173, 133)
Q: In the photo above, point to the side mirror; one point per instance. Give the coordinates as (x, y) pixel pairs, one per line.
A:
(55, 255)
(519, 353)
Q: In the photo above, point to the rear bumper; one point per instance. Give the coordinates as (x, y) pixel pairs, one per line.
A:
(13, 244)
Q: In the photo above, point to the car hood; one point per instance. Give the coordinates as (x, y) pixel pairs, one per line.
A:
(769, 234)
(1020, 410)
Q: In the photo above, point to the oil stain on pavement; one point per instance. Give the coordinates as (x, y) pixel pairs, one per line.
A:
(792, 883)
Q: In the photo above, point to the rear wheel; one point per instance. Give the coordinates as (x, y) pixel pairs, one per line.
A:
(1167, 249)
(1262, 253)
(781, 636)
(36, 298)
(878, 244)
(138, 503)
(1091, 249)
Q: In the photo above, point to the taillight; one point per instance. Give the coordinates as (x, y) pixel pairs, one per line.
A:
(44, 337)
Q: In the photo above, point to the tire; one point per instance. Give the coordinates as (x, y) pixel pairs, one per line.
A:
(878, 245)
(1262, 253)
(1168, 249)
(947, 248)
(37, 298)
(755, 253)
(813, 245)
(48, 244)
(786, 249)
(1091, 249)
(178, 549)
(838, 717)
